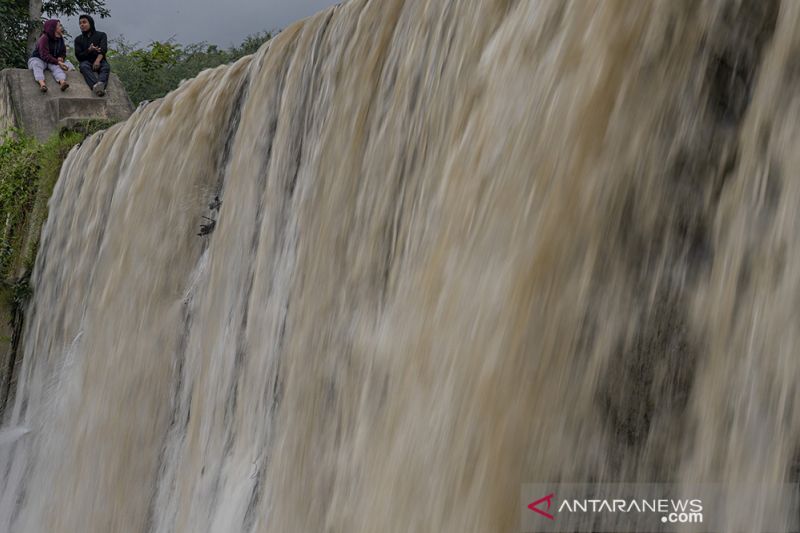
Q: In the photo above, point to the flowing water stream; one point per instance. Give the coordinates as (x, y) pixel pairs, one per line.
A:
(462, 246)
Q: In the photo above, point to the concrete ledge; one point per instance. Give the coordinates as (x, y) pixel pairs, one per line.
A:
(39, 114)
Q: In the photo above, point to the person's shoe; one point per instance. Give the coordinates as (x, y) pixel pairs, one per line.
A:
(64, 86)
(43, 88)
(99, 88)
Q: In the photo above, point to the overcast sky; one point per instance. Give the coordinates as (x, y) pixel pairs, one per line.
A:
(224, 23)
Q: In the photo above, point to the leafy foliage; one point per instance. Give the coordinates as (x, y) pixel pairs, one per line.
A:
(28, 173)
(153, 71)
(14, 27)
(71, 8)
(19, 166)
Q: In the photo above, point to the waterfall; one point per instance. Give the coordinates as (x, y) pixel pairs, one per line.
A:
(462, 246)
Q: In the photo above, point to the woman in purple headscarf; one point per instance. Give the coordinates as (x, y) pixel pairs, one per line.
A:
(50, 53)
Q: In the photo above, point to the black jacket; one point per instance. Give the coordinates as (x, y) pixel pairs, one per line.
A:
(82, 42)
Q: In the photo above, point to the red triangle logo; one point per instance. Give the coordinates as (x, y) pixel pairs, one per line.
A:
(534, 506)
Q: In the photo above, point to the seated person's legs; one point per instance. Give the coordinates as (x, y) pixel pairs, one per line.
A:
(37, 66)
(105, 70)
(59, 75)
(88, 73)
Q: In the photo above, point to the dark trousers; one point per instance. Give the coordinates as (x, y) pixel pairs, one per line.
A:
(93, 77)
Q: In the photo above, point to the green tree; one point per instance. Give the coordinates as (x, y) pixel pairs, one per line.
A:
(14, 28)
(151, 72)
(142, 69)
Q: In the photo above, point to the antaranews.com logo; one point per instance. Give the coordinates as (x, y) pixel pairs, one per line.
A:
(672, 511)
(654, 508)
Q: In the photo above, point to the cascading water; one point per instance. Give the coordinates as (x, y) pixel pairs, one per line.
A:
(462, 246)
